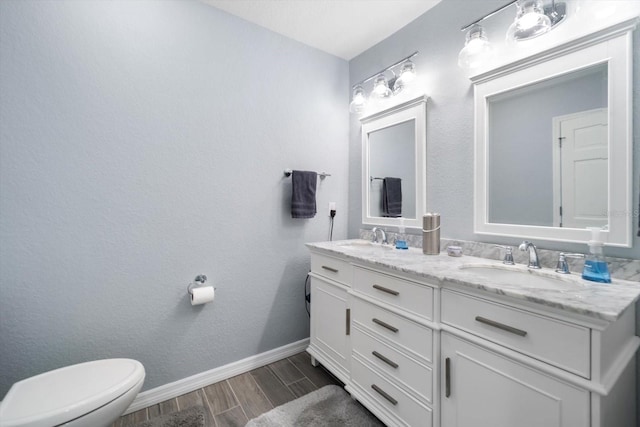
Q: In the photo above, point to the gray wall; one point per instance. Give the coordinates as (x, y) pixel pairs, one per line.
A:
(437, 36)
(143, 143)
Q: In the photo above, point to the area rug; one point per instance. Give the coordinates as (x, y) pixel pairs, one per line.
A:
(191, 417)
(328, 406)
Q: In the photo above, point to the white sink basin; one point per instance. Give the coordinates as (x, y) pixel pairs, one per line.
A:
(364, 244)
(520, 276)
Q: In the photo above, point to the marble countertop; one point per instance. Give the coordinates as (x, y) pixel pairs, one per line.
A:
(573, 294)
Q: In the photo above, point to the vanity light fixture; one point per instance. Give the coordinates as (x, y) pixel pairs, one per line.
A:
(533, 19)
(382, 86)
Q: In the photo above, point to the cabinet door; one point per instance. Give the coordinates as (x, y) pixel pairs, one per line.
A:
(331, 326)
(483, 388)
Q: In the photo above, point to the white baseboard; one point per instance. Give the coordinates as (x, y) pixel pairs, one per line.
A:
(194, 382)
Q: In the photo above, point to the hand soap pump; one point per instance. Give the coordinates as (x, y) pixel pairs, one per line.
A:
(401, 243)
(595, 266)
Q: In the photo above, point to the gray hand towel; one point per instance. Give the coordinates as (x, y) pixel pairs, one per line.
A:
(392, 197)
(303, 194)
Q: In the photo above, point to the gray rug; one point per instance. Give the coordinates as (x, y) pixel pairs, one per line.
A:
(328, 406)
(190, 417)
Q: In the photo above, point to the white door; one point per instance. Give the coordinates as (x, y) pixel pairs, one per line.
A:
(581, 170)
(481, 388)
(331, 326)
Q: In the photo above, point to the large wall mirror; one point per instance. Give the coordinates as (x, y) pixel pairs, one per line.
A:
(394, 165)
(553, 143)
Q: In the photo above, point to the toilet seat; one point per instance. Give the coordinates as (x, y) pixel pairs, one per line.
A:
(64, 394)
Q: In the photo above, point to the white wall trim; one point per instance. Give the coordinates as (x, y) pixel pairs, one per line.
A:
(194, 382)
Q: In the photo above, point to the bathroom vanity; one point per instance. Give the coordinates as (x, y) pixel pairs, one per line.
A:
(443, 341)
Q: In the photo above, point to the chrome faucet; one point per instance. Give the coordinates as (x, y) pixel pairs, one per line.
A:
(375, 235)
(533, 253)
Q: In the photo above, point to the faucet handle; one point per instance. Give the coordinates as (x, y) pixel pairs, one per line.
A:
(508, 254)
(563, 267)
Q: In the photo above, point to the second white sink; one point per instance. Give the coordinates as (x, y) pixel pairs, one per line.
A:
(521, 276)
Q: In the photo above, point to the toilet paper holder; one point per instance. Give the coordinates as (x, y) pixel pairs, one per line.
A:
(197, 282)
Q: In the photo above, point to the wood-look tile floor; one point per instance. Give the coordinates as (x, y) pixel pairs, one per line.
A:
(235, 401)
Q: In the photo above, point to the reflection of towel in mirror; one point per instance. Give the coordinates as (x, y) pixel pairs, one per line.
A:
(392, 197)
(303, 194)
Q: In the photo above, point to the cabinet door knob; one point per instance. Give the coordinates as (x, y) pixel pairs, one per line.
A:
(331, 269)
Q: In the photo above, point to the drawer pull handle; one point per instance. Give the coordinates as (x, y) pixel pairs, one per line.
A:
(384, 394)
(385, 325)
(447, 377)
(348, 316)
(386, 290)
(331, 269)
(502, 326)
(391, 363)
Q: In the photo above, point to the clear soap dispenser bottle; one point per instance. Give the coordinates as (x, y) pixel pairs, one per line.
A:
(595, 266)
(401, 243)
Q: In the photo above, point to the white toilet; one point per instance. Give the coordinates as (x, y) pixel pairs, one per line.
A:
(91, 394)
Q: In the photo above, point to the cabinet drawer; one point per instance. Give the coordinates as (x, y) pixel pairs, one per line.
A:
(402, 332)
(332, 268)
(558, 343)
(405, 370)
(406, 295)
(390, 397)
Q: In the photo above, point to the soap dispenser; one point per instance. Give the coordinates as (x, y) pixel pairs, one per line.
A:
(595, 266)
(401, 243)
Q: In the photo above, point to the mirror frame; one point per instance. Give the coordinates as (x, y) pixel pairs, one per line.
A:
(414, 109)
(611, 46)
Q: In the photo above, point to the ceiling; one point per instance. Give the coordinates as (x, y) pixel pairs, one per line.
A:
(344, 28)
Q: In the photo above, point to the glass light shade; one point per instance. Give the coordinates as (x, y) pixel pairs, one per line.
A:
(407, 72)
(477, 50)
(358, 100)
(530, 21)
(381, 87)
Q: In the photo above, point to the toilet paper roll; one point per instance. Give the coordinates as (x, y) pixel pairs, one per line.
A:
(202, 295)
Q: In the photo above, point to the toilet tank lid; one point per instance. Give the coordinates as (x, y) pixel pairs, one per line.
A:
(61, 395)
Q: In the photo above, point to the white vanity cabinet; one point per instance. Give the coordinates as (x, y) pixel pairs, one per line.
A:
(330, 335)
(422, 352)
(373, 331)
(509, 364)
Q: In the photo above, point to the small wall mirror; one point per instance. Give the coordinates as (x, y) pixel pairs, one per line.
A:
(394, 165)
(553, 145)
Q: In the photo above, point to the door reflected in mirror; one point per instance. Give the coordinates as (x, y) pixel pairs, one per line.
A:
(548, 152)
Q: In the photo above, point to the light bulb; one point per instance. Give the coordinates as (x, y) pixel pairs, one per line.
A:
(381, 87)
(530, 21)
(477, 50)
(407, 72)
(358, 100)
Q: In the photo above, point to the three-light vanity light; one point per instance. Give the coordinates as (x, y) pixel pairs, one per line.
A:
(382, 87)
